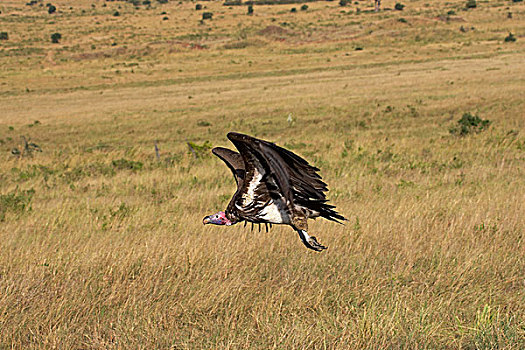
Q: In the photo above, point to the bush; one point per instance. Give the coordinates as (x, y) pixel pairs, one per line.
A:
(469, 124)
(127, 164)
(293, 9)
(250, 9)
(343, 2)
(116, 13)
(399, 6)
(510, 38)
(207, 15)
(51, 9)
(55, 38)
(16, 202)
(304, 7)
(4, 36)
(198, 7)
(471, 4)
(200, 151)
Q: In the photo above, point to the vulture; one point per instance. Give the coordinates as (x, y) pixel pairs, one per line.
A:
(274, 186)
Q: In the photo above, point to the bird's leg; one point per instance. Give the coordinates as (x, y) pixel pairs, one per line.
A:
(300, 224)
(244, 223)
(266, 226)
(252, 226)
(259, 227)
(310, 241)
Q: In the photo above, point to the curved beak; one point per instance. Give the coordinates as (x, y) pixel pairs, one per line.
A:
(206, 220)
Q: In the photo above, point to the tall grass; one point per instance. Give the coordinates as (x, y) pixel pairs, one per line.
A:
(102, 242)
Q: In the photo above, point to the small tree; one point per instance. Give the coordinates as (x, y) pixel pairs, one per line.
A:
(250, 9)
(55, 38)
(51, 9)
(510, 38)
(304, 7)
(198, 7)
(4, 36)
(399, 6)
(207, 15)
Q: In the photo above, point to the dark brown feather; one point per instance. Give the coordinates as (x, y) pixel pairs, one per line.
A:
(233, 160)
(285, 175)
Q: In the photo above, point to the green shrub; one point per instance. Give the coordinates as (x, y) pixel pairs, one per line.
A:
(116, 13)
(207, 15)
(250, 9)
(198, 7)
(4, 36)
(203, 123)
(304, 7)
(16, 202)
(55, 38)
(343, 2)
(469, 124)
(510, 38)
(399, 6)
(127, 164)
(293, 9)
(51, 9)
(200, 151)
(471, 4)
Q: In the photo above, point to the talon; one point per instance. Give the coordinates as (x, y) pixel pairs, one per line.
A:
(310, 241)
(316, 245)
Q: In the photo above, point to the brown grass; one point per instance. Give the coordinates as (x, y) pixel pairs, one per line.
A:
(100, 256)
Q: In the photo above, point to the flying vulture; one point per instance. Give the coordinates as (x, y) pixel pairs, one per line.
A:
(274, 186)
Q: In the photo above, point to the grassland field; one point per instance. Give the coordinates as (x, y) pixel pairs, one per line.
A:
(102, 244)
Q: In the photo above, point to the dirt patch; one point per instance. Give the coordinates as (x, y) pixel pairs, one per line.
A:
(100, 54)
(450, 19)
(274, 31)
(145, 50)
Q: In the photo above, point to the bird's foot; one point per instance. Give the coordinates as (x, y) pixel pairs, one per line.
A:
(311, 242)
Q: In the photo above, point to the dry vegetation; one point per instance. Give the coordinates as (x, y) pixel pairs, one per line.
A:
(102, 245)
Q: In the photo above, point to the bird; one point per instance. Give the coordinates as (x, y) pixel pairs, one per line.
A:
(274, 186)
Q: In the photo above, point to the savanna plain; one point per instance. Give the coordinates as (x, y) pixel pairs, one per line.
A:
(101, 238)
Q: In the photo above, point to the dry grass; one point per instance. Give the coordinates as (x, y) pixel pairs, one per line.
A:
(94, 255)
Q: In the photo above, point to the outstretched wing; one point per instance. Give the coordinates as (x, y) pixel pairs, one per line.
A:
(266, 175)
(233, 160)
(282, 174)
(296, 179)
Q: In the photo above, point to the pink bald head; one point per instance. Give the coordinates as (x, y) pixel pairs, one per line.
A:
(217, 219)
